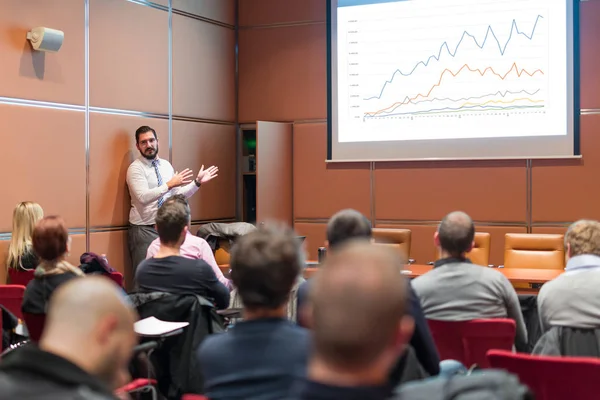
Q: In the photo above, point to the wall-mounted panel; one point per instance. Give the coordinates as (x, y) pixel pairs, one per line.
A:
(129, 56)
(114, 245)
(203, 70)
(549, 229)
(265, 12)
(565, 190)
(112, 149)
(43, 159)
(195, 144)
(320, 189)
(590, 53)
(28, 74)
(486, 190)
(218, 10)
(282, 73)
(316, 234)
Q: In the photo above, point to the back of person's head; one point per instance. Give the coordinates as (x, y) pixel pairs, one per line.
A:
(172, 220)
(265, 265)
(455, 234)
(90, 322)
(346, 225)
(25, 216)
(583, 237)
(359, 304)
(50, 239)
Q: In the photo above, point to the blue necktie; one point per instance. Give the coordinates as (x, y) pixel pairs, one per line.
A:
(161, 200)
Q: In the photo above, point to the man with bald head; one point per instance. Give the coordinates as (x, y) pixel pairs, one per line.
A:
(458, 290)
(360, 324)
(85, 348)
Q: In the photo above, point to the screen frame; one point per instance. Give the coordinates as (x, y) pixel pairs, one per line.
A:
(576, 91)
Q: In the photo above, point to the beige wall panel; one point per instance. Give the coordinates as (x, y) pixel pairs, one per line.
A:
(549, 229)
(129, 56)
(264, 12)
(114, 245)
(195, 144)
(77, 248)
(219, 10)
(283, 74)
(203, 70)
(112, 149)
(56, 77)
(43, 159)
(320, 189)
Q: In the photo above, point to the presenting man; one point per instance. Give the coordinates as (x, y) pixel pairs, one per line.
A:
(152, 180)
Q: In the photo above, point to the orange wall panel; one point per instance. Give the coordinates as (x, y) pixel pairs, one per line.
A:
(203, 70)
(282, 73)
(320, 189)
(549, 229)
(263, 12)
(219, 10)
(43, 159)
(57, 77)
(114, 245)
(590, 53)
(565, 190)
(429, 190)
(129, 56)
(497, 240)
(112, 150)
(195, 144)
(316, 234)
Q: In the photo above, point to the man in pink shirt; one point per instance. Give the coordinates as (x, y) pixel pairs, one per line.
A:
(194, 247)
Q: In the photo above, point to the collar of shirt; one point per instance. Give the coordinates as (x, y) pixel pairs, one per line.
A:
(451, 260)
(320, 391)
(147, 162)
(583, 261)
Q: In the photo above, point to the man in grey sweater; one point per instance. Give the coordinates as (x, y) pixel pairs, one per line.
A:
(457, 290)
(573, 299)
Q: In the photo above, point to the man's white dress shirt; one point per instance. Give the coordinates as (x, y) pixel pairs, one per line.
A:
(145, 192)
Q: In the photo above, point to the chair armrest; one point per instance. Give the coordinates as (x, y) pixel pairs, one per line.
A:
(430, 263)
(411, 261)
(500, 266)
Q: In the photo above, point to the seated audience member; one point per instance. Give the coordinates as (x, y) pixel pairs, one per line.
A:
(21, 256)
(572, 299)
(260, 357)
(84, 351)
(360, 324)
(351, 225)
(193, 247)
(457, 290)
(168, 271)
(51, 242)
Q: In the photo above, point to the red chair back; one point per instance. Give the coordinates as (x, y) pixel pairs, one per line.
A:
(469, 341)
(11, 297)
(117, 278)
(17, 277)
(35, 325)
(194, 397)
(552, 378)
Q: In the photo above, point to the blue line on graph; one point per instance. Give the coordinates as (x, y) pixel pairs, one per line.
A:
(449, 109)
(498, 93)
(513, 28)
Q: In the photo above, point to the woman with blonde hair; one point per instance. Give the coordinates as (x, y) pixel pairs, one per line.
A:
(21, 256)
(51, 242)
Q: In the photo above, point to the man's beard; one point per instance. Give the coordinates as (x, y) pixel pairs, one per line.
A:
(150, 153)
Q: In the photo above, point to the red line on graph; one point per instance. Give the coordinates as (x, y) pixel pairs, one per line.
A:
(454, 74)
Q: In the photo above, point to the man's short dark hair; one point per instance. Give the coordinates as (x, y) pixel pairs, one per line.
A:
(345, 225)
(172, 217)
(143, 129)
(456, 233)
(265, 265)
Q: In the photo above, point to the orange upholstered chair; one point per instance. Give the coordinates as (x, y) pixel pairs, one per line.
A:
(480, 254)
(531, 250)
(398, 239)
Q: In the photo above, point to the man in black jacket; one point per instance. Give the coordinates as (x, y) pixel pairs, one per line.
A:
(84, 351)
(348, 225)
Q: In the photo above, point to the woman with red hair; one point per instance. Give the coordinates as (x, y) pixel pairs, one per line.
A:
(50, 242)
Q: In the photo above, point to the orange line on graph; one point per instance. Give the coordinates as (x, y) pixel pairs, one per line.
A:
(502, 102)
(454, 74)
